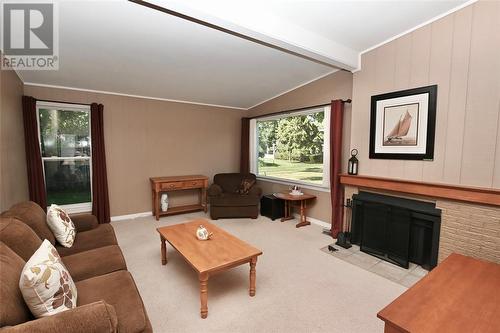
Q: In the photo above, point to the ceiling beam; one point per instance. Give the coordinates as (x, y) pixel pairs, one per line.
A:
(268, 31)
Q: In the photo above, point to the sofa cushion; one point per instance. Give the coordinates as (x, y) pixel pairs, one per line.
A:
(19, 237)
(61, 225)
(84, 222)
(119, 290)
(34, 216)
(100, 261)
(233, 200)
(13, 310)
(103, 235)
(230, 182)
(46, 284)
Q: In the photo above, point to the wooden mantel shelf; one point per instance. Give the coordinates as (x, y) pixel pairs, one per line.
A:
(476, 195)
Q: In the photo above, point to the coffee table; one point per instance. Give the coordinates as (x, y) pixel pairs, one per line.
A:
(222, 252)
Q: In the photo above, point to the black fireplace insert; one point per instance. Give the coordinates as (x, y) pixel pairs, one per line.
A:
(395, 229)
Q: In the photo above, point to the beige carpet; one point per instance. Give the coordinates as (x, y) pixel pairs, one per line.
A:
(299, 287)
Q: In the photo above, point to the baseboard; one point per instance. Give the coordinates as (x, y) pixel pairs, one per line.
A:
(315, 221)
(146, 214)
(130, 216)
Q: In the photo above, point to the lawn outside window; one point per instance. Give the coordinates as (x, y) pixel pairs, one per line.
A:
(290, 148)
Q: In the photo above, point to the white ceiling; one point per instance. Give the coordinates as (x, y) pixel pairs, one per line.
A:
(330, 31)
(360, 25)
(126, 48)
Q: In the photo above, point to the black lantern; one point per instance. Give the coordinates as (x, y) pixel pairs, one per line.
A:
(352, 167)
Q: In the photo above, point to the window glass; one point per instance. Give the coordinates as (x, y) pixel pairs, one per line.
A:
(291, 147)
(67, 181)
(65, 145)
(64, 133)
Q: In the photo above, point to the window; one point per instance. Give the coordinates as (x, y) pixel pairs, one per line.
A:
(65, 143)
(290, 147)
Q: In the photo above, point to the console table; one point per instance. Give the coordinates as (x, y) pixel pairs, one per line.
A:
(178, 183)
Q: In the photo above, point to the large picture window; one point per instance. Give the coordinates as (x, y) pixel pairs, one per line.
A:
(65, 145)
(291, 147)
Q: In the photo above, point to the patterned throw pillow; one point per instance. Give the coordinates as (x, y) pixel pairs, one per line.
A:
(45, 283)
(61, 225)
(245, 186)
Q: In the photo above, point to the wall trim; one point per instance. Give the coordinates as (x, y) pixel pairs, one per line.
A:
(291, 182)
(146, 214)
(438, 17)
(130, 95)
(294, 88)
(130, 216)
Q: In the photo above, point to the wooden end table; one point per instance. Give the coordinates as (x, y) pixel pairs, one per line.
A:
(289, 201)
(222, 252)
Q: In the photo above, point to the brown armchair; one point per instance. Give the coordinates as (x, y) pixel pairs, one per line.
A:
(226, 202)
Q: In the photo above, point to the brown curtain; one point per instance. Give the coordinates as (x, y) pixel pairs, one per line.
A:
(337, 195)
(36, 181)
(245, 146)
(100, 198)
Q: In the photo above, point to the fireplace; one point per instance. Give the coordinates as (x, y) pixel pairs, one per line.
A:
(395, 229)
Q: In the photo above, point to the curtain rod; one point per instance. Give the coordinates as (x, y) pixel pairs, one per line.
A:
(52, 101)
(295, 110)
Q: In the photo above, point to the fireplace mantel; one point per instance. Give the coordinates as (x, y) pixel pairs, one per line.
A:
(485, 196)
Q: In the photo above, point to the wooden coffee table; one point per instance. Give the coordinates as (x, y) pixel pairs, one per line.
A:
(223, 251)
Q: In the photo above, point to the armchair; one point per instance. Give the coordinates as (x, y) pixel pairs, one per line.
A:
(226, 202)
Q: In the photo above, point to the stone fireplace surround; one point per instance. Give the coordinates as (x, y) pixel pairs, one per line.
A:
(468, 227)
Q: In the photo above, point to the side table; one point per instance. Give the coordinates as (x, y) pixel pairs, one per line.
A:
(289, 201)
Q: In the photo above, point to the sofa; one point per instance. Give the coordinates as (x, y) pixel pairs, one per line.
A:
(108, 299)
(226, 202)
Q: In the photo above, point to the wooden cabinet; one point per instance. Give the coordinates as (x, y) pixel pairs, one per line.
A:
(178, 183)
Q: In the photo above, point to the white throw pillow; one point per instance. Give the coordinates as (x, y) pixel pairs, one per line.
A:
(45, 283)
(61, 225)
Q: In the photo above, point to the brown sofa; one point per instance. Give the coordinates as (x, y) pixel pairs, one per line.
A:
(225, 202)
(108, 299)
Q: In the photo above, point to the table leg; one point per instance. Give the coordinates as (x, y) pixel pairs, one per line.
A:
(288, 215)
(163, 251)
(156, 205)
(253, 263)
(303, 222)
(204, 199)
(204, 295)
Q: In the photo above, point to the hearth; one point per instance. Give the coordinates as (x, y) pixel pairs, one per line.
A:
(395, 229)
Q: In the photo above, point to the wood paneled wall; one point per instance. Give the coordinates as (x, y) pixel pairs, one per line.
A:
(461, 54)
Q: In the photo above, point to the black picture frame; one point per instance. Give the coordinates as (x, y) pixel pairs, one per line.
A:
(431, 124)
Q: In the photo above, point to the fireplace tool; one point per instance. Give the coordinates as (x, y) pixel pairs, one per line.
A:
(343, 238)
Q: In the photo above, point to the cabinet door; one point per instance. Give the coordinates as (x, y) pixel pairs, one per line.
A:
(373, 238)
(398, 236)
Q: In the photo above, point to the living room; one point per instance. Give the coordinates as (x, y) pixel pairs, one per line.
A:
(336, 178)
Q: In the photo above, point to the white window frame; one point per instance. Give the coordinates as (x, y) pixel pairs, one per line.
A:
(72, 208)
(254, 144)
